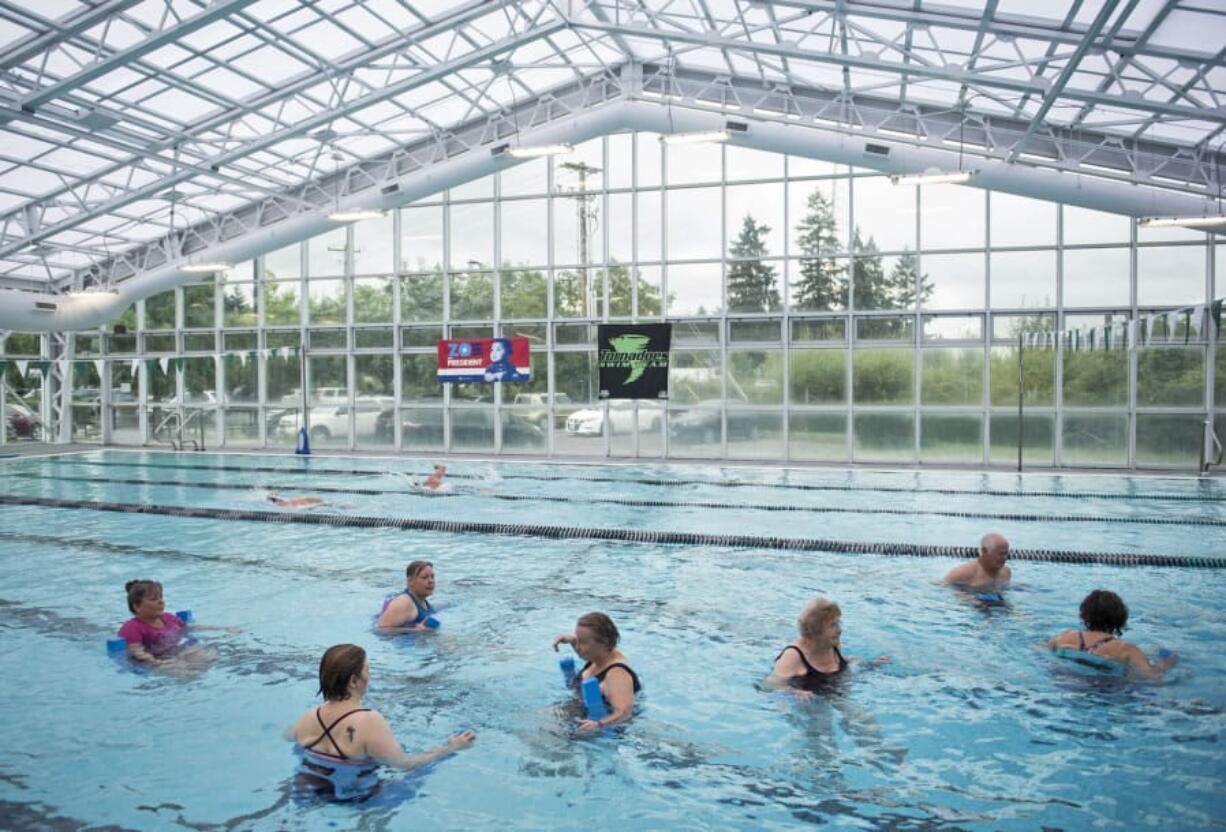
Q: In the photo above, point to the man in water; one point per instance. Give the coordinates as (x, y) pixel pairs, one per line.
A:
(433, 481)
(988, 571)
(295, 502)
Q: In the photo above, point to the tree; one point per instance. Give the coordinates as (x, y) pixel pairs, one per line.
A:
(910, 288)
(869, 287)
(237, 310)
(753, 286)
(823, 283)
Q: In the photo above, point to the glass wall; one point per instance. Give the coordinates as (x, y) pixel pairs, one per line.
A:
(821, 313)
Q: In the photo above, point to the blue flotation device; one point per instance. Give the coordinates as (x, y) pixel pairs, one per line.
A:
(1100, 664)
(990, 597)
(117, 648)
(567, 665)
(592, 700)
(349, 780)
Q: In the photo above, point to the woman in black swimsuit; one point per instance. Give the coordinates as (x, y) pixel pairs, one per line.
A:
(1104, 616)
(595, 640)
(342, 742)
(813, 661)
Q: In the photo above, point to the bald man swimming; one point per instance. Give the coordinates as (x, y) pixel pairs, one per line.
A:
(988, 571)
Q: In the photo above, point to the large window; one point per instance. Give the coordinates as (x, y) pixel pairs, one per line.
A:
(820, 312)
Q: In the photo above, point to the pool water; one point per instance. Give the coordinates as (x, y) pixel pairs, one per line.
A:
(969, 726)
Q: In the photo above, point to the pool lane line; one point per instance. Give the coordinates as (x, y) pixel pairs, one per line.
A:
(631, 535)
(1022, 518)
(665, 483)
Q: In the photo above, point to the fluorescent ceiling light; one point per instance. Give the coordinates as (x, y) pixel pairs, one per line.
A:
(695, 138)
(529, 151)
(356, 215)
(935, 177)
(201, 268)
(1186, 222)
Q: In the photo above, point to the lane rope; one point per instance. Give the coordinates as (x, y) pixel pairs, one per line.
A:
(1024, 518)
(737, 541)
(666, 483)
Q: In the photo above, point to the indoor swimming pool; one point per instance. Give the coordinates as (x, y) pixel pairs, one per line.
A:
(970, 725)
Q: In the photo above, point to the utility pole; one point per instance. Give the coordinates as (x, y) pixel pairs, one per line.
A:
(587, 216)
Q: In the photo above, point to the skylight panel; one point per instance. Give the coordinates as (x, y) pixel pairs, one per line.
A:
(30, 181)
(70, 161)
(58, 9)
(446, 112)
(266, 10)
(328, 39)
(8, 201)
(433, 9)
(368, 146)
(114, 81)
(10, 33)
(1189, 29)
(444, 46)
(1143, 15)
(179, 105)
(364, 24)
(116, 33)
(1053, 11)
(168, 56)
(496, 26)
(22, 147)
(270, 64)
(228, 83)
(394, 13)
(708, 59)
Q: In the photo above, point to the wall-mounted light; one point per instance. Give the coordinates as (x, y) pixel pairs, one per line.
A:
(1184, 222)
(204, 268)
(528, 151)
(356, 215)
(696, 138)
(956, 177)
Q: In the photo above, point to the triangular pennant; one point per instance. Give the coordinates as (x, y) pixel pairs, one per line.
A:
(1217, 316)
(1076, 340)
(164, 363)
(1132, 335)
(1172, 325)
(242, 358)
(23, 366)
(1093, 338)
(179, 362)
(1149, 329)
(100, 366)
(1107, 337)
(1197, 322)
(134, 367)
(4, 365)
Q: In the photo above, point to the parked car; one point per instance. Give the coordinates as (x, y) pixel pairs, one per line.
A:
(329, 420)
(469, 426)
(701, 423)
(590, 421)
(539, 415)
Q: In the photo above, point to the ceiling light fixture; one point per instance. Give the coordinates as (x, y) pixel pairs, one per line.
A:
(204, 268)
(357, 215)
(935, 177)
(1185, 222)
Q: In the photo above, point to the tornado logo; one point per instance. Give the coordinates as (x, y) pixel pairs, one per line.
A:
(629, 345)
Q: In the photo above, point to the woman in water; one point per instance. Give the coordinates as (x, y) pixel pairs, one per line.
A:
(342, 743)
(407, 612)
(1104, 614)
(813, 661)
(155, 636)
(595, 640)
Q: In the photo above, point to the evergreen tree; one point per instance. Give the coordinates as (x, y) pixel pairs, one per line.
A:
(905, 277)
(869, 287)
(822, 284)
(753, 286)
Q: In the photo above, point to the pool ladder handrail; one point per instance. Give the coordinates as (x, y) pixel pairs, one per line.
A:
(177, 441)
(1205, 463)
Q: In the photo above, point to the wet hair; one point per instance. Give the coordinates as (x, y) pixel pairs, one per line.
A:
(339, 666)
(415, 567)
(139, 590)
(816, 614)
(1104, 611)
(602, 627)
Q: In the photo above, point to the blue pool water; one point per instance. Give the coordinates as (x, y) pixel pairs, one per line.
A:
(970, 726)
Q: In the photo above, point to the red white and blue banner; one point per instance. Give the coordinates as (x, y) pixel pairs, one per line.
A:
(483, 359)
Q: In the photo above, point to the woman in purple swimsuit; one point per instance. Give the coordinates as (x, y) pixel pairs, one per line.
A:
(1104, 614)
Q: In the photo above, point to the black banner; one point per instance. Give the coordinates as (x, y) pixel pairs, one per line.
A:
(633, 360)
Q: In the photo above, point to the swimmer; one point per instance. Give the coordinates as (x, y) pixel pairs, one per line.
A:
(155, 637)
(433, 481)
(295, 502)
(341, 736)
(812, 661)
(988, 571)
(408, 611)
(1104, 614)
(595, 640)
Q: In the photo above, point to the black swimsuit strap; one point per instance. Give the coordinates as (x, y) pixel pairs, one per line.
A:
(328, 730)
(810, 668)
(600, 676)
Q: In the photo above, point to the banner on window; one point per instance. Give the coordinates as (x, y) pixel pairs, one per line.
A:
(484, 359)
(633, 360)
